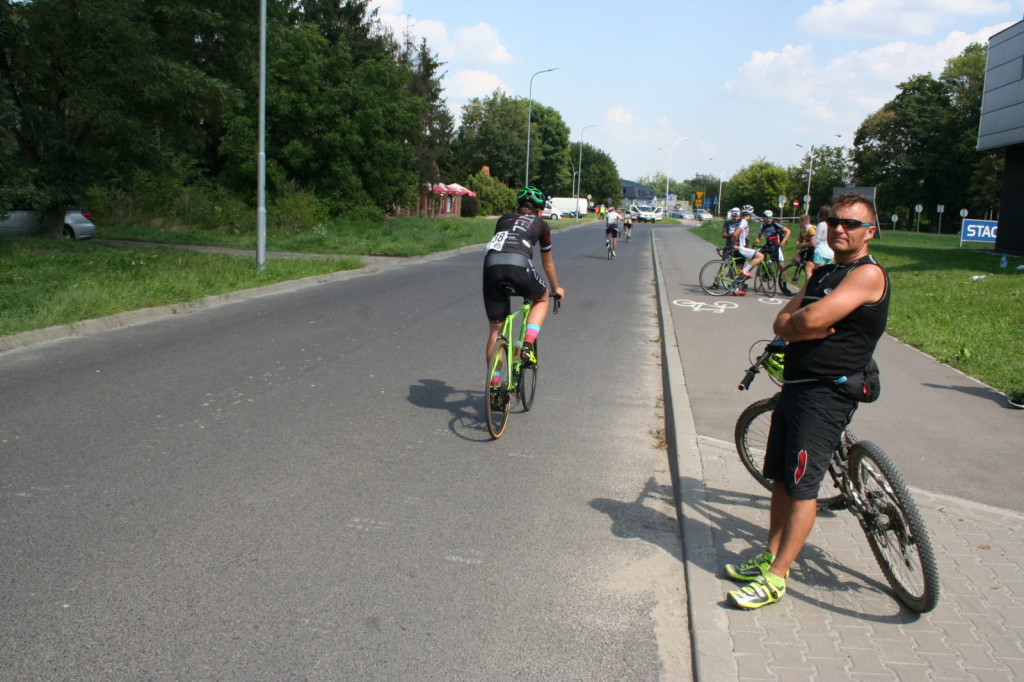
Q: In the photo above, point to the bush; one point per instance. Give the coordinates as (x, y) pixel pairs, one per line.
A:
(296, 211)
(470, 207)
(493, 196)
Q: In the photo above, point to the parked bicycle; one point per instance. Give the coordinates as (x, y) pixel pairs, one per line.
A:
(865, 481)
(723, 275)
(514, 379)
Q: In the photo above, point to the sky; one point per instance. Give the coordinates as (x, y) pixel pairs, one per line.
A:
(677, 87)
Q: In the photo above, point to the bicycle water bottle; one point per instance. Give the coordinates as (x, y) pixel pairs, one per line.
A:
(1002, 261)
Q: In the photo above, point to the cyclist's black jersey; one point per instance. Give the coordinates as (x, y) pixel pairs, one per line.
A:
(851, 347)
(772, 233)
(518, 233)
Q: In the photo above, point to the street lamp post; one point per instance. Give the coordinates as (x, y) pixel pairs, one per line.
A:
(529, 116)
(810, 172)
(668, 170)
(579, 167)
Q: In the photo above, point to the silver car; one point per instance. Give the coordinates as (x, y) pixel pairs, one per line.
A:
(77, 224)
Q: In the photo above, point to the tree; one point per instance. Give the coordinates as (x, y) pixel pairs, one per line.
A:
(832, 168)
(84, 110)
(758, 184)
(920, 147)
(600, 176)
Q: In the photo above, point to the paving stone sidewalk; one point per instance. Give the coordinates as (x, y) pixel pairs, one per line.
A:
(839, 619)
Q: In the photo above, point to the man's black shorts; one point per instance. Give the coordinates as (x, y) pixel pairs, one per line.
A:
(509, 268)
(806, 426)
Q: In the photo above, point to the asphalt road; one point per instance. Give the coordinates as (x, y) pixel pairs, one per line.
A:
(302, 486)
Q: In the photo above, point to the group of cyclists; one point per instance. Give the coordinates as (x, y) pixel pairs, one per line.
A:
(812, 244)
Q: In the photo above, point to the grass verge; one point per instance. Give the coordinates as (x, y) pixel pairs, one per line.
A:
(45, 282)
(973, 325)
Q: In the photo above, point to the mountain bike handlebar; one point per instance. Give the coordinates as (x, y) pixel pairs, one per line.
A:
(776, 345)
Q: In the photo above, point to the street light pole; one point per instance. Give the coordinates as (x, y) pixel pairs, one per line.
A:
(668, 170)
(810, 172)
(261, 154)
(579, 170)
(529, 116)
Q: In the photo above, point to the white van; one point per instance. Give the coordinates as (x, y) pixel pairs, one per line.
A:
(569, 206)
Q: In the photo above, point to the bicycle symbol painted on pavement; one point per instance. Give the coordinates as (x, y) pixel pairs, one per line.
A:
(702, 307)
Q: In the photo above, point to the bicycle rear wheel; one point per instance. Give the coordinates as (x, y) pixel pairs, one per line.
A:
(767, 279)
(497, 397)
(894, 528)
(751, 437)
(715, 278)
(527, 383)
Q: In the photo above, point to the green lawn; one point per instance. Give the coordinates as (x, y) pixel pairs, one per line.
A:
(974, 325)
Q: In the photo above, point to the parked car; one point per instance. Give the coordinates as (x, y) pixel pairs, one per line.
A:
(703, 214)
(77, 224)
(551, 213)
(646, 213)
(681, 214)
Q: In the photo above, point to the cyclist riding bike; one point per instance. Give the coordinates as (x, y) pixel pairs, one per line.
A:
(611, 230)
(775, 235)
(627, 224)
(509, 262)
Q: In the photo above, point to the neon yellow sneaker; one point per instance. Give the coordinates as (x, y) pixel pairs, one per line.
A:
(766, 590)
(751, 569)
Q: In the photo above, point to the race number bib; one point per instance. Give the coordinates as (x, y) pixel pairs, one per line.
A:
(497, 242)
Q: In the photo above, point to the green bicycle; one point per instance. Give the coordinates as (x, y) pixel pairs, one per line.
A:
(514, 378)
(766, 276)
(723, 276)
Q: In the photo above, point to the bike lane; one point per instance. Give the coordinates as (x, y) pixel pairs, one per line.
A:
(839, 618)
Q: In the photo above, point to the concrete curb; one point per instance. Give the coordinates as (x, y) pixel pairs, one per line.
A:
(709, 628)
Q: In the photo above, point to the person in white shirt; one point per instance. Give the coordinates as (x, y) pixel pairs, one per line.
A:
(611, 230)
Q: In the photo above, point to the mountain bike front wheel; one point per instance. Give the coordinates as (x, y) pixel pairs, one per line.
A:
(894, 528)
(498, 399)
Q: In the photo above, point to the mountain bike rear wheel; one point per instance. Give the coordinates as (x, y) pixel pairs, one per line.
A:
(767, 279)
(751, 436)
(894, 528)
(498, 400)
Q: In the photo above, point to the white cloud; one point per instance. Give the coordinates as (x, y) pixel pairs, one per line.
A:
(839, 92)
(873, 19)
(619, 116)
(464, 85)
(480, 44)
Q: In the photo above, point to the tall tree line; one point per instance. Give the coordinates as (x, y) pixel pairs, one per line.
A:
(149, 95)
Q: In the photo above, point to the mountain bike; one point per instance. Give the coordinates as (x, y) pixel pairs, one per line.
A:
(515, 380)
(865, 481)
(723, 276)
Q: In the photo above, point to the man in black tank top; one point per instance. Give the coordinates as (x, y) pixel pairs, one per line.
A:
(832, 327)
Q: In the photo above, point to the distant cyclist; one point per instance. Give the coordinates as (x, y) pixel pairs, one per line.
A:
(611, 230)
(509, 261)
(627, 224)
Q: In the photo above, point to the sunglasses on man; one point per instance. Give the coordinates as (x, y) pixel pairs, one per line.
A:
(847, 223)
